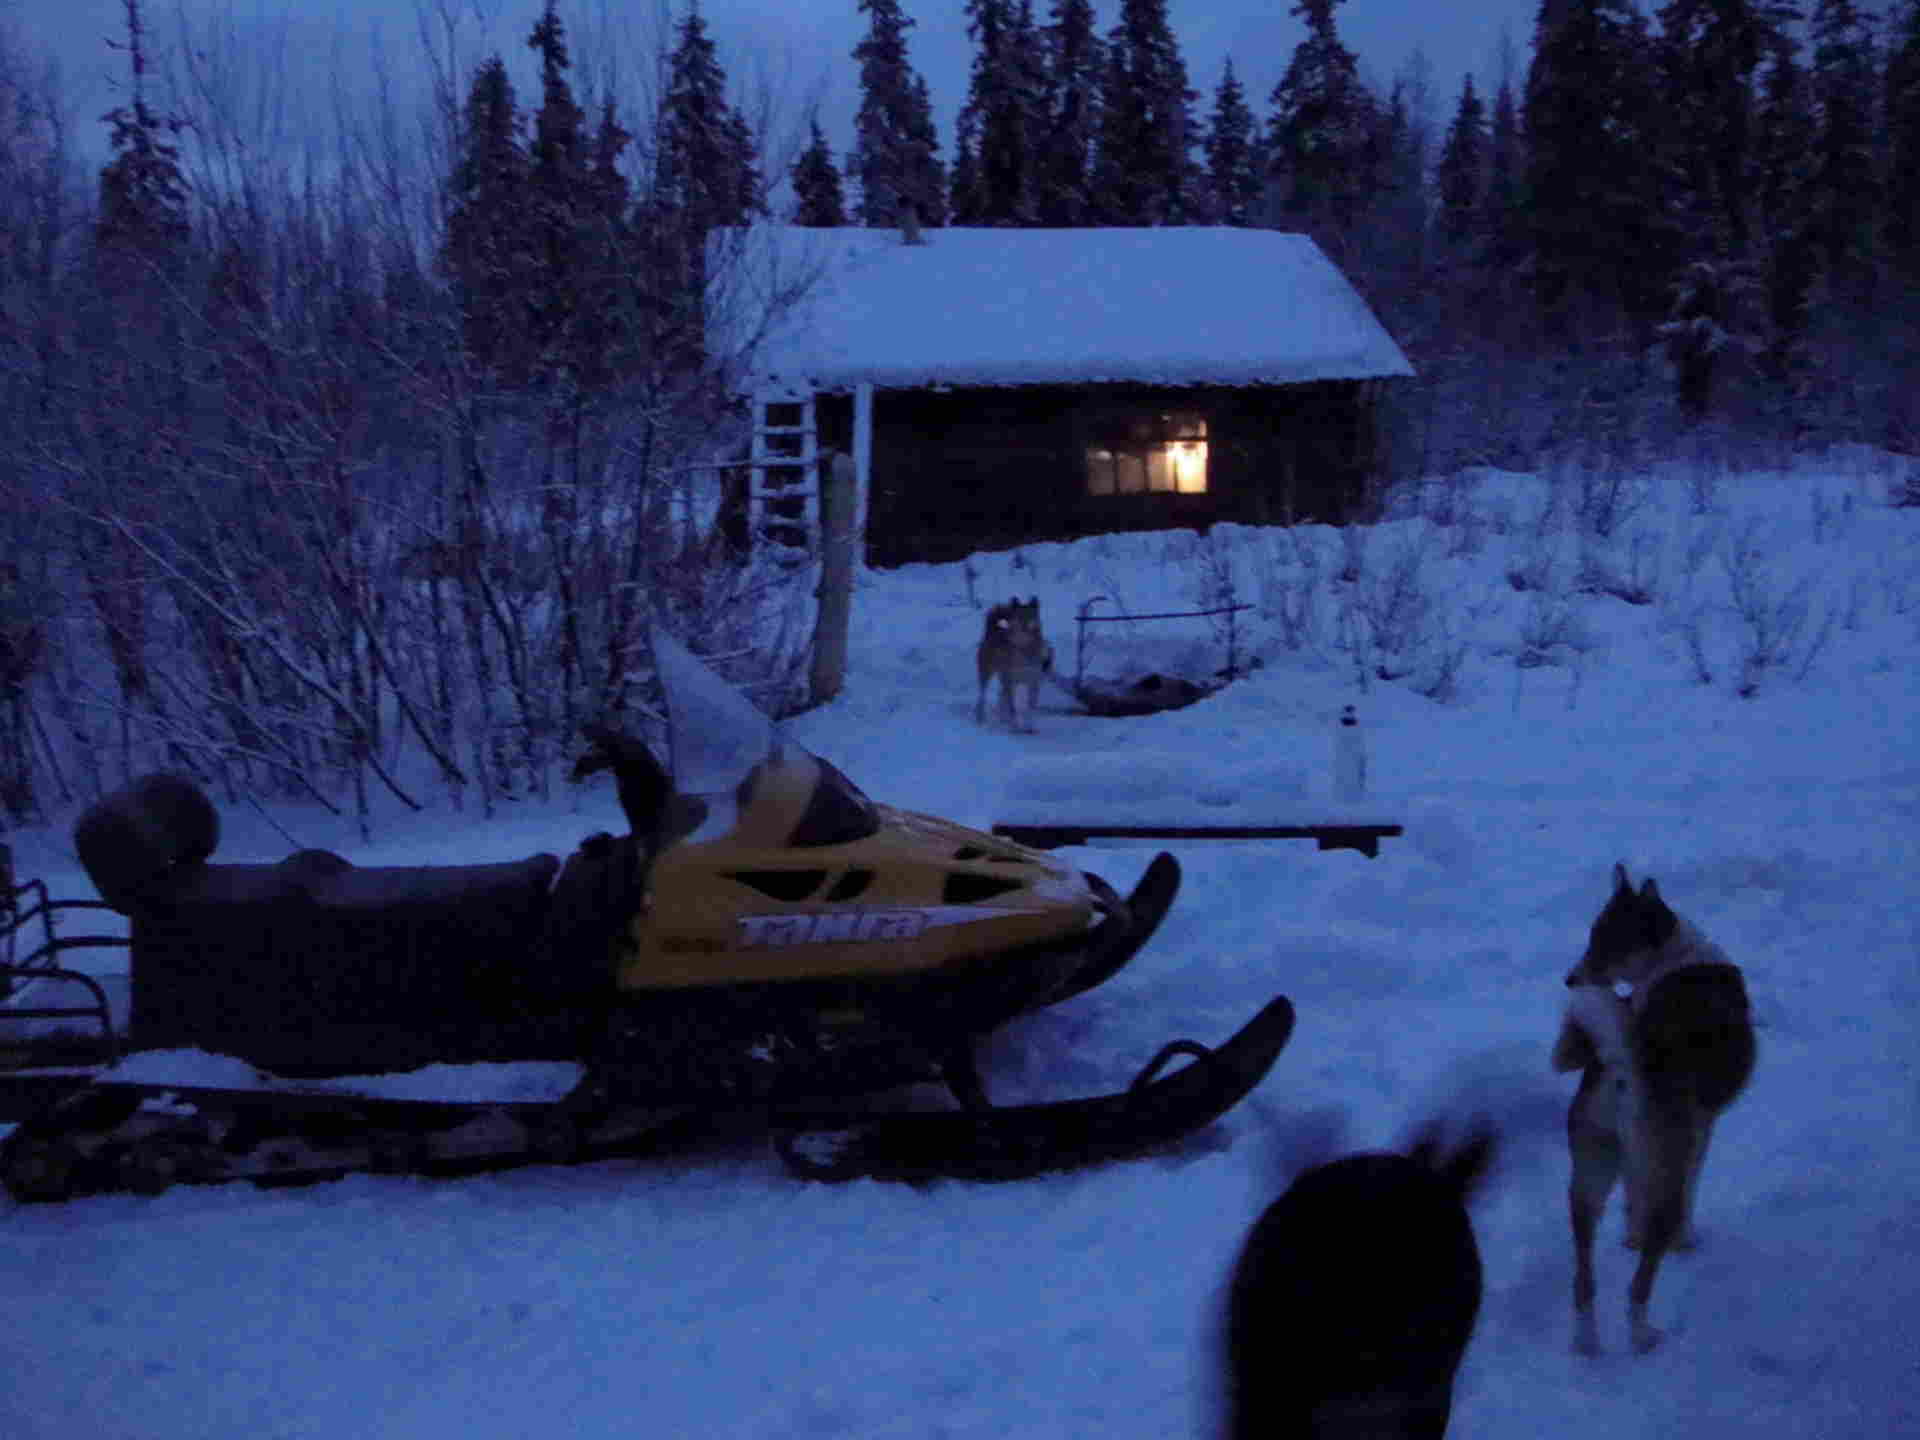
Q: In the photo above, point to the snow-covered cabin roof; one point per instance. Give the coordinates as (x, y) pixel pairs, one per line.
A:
(1167, 306)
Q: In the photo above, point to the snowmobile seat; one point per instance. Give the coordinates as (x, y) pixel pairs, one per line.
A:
(314, 965)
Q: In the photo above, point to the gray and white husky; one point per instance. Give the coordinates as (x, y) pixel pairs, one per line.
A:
(1014, 649)
(1658, 1024)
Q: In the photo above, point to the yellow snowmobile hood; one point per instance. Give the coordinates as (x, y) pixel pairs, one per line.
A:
(772, 865)
(915, 893)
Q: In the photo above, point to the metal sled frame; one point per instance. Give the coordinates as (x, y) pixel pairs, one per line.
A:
(1095, 704)
(23, 961)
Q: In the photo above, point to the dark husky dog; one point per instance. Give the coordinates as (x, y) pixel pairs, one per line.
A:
(1013, 649)
(1355, 1296)
(1658, 1024)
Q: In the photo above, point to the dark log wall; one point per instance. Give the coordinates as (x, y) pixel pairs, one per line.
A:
(960, 470)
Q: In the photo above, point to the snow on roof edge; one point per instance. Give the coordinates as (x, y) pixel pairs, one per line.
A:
(986, 307)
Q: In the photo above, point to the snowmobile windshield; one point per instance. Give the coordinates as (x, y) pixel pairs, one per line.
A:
(728, 761)
(716, 735)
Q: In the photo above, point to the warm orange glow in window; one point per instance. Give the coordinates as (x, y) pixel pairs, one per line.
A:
(1158, 454)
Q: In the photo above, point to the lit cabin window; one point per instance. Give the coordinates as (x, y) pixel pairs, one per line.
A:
(1150, 454)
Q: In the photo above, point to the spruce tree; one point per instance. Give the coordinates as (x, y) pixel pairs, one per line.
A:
(1073, 63)
(1903, 143)
(1783, 198)
(895, 160)
(1461, 177)
(967, 203)
(926, 175)
(607, 258)
(1503, 234)
(1001, 120)
(1235, 162)
(557, 196)
(142, 221)
(1846, 182)
(1710, 51)
(1143, 170)
(705, 175)
(1596, 238)
(816, 183)
(485, 251)
(706, 169)
(1323, 135)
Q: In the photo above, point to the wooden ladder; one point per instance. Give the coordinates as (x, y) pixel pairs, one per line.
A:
(783, 487)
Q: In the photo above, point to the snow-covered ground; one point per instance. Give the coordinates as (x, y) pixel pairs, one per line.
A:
(709, 1295)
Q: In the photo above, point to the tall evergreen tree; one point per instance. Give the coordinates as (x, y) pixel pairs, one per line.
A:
(1598, 249)
(1390, 247)
(485, 251)
(1074, 63)
(816, 183)
(705, 175)
(1709, 51)
(143, 194)
(966, 202)
(896, 151)
(927, 176)
(1846, 182)
(557, 194)
(1001, 121)
(1236, 164)
(1461, 177)
(1143, 170)
(706, 168)
(1903, 142)
(1505, 167)
(608, 251)
(1783, 198)
(1323, 134)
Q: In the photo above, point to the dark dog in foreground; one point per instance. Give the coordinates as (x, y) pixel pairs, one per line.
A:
(1014, 650)
(1658, 1024)
(1355, 1296)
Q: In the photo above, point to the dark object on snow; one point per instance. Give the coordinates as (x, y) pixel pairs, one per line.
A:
(134, 839)
(1142, 695)
(1355, 1296)
(1053, 834)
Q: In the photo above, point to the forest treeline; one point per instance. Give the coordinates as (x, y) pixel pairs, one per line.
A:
(358, 467)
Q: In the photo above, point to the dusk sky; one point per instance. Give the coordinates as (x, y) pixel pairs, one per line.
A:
(795, 50)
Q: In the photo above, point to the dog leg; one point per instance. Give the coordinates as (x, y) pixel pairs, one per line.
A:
(1672, 1148)
(1688, 1236)
(1643, 1335)
(1596, 1166)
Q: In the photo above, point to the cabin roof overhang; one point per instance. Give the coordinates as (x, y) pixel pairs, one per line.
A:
(1173, 306)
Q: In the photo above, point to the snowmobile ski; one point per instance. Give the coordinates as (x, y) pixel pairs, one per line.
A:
(1020, 1141)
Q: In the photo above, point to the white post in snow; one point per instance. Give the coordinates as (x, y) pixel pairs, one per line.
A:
(1349, 757)
(862, 469)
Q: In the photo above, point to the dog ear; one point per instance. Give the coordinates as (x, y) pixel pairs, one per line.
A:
(1621, 885)
(1648, 890)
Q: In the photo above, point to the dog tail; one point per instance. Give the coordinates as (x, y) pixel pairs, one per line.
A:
(1466, 1164)
(1695, 1036)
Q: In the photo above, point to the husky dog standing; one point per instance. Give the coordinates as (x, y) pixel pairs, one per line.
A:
(1658, 1024)
(1013, 649)
(1355, 1296)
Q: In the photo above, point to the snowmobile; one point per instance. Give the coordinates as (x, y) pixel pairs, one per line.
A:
(765, 941)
